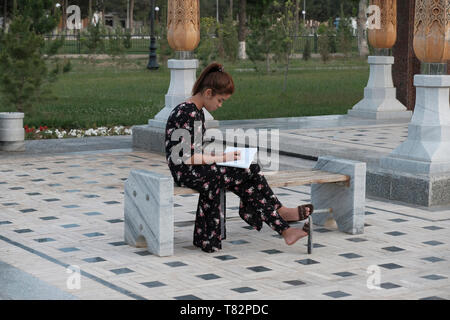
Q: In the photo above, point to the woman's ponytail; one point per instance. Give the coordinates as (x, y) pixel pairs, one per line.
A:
(215, 78)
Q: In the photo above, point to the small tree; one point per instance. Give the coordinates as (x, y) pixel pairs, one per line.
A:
(285, 30)
(307, 49)
(22, 70)
(261, 40)
(323, 43)
(344, 35)
(207, 49)
(116, 46)
(228, 36)
(93, 39)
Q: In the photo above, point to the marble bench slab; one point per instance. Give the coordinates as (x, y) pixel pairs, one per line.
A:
(149, 218)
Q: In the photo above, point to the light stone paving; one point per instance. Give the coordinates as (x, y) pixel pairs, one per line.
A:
(67, 209)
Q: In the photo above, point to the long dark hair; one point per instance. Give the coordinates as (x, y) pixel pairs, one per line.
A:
(215, 78)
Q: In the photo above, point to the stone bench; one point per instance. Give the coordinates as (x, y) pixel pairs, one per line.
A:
(335, 183)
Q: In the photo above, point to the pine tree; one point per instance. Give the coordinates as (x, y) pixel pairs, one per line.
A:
(23, 68)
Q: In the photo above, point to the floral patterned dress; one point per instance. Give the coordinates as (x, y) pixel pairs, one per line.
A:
(257, 201)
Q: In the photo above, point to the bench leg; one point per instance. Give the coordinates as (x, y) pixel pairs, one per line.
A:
(346, 200)
(149, 212)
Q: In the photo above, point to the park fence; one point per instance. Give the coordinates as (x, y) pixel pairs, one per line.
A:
(140, 43)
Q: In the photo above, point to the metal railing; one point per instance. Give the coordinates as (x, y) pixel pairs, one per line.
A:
(139, 43)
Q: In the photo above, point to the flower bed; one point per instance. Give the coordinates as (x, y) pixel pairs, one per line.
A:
(43, 132)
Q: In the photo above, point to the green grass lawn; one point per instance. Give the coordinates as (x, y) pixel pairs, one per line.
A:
(107, 94)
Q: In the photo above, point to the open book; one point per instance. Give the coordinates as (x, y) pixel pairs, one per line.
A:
(247, 156)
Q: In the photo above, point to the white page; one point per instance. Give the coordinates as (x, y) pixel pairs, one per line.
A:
(247, 156)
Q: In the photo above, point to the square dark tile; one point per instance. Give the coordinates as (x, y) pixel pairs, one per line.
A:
(176, 205)
(27, 210)
(337, 294)
(69, 249)
(71, 225)
(393, 249)
(398, 220)
(356, 239)
(93, 234)
(52, 200)
(115, 220)
(433, 228)
(43, 240)
(390, 266)
(71, 206)
(23, 230)
(434, 277)
(121, 271)
(316, 245)
(295, 282)
(34, 193)
(259, 269)
(175, 264)
(225, 257)
(433, 243)
(389, 285)
(94, 259)
(344, 274)
(187, 297)
(239, 242)
(48, 218)
(433, 259)
(118, 243)
(37, 180)
(93, 213)
(10, 204)
(153, 284)
(55, 185)
(111, 202)
(432, 298)
(16, 188)
(244, 289)
(5, 222)
(91, 196)
(208, 276)
(395, 233)
(272, 251)
(307, 261)
(143, 253)
(322, 230)
(350, 255)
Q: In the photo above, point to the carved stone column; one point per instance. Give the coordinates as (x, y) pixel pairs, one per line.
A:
(424, 157)
(183, 35)
(380, 100)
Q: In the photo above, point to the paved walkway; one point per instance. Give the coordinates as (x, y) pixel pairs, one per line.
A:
(61, 215)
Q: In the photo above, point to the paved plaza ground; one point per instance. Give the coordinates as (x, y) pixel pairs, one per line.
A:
(61, 209)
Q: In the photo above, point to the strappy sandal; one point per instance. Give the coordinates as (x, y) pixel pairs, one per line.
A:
(302, 215)
(308, 228)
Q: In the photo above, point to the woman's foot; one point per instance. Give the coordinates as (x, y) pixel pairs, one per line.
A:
(293, 214)
(291, 235)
